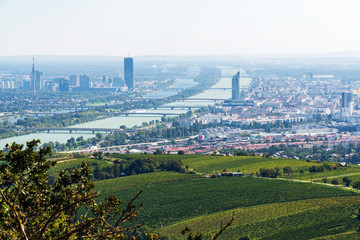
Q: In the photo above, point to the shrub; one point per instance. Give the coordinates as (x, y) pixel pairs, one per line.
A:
(335, 181)
(356, 185)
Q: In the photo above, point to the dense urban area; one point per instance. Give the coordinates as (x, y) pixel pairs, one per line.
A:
(185, 105)
(201, 137)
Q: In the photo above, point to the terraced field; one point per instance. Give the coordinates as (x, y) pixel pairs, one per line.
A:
(248, 221)
(264, 208)
(171, 198)
(243, 163)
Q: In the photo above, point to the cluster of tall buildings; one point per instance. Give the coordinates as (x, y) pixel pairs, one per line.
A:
(79, 83)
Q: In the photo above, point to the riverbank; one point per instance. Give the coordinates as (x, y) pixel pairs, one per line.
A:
(112, 110)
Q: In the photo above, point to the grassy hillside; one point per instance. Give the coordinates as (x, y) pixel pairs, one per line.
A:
(208, 164)
(272, 219)
(169, 198)
(68, 163)
(213, 164)
(264, 208)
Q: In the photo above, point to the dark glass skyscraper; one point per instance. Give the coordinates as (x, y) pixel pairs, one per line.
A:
(235, 86)
(129, 72)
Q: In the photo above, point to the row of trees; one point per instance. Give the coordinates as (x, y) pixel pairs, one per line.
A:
(137, 166)
(73, 143)
(270, 172)
(322, 153)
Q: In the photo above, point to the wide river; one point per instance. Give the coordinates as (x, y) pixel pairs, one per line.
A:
(215, 92)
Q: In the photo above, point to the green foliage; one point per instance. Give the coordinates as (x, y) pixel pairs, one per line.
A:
(31, 208)
(247, 164)
(346, 181)
(136, 166)
(270, 172)
(169, 199)
(356, 185)
(335, 181)
(288, 170)
(316, 169)
(158, 152)
(309, 224)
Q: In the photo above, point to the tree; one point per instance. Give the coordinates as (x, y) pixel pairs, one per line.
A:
(158, 152)
(31, 208)
(181, 152)
(346, 181)
(356, 185)
(335, 181)
(288, 170)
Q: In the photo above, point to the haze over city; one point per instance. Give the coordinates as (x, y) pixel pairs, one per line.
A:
(179, 119)
(186, 27)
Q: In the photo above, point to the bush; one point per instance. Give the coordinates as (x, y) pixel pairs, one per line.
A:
(346, 181)
(356, 185)
(335, 181)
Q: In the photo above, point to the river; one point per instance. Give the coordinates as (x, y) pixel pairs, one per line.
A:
(215, 92)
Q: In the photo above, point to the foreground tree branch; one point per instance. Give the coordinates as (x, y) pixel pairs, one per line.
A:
(31, 208)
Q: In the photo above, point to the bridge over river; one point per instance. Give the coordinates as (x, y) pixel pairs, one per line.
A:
(74, 129)
(148, 113)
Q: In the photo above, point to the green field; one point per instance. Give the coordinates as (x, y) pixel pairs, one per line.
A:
(209, 164)
(170, 198)
(249, 220)
(213, 164)
(355, 177)
(265, 208)
(63, 164)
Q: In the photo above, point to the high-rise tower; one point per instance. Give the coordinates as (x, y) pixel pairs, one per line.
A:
(235, 87)
(346, 106)
(35, 78)
(129, 72)
(33, 75)
(84, 83)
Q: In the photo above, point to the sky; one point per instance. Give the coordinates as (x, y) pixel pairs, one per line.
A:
(177, 27)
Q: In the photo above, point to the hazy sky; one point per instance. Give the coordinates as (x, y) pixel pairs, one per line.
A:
(177, 27)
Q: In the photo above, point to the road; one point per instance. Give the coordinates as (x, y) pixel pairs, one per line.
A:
(132, 145)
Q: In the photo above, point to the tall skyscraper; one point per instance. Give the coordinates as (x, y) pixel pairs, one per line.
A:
(38, 80)
(235, 87)
(346, 106)
(35, 78)
(84, 83)
(129, 72)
